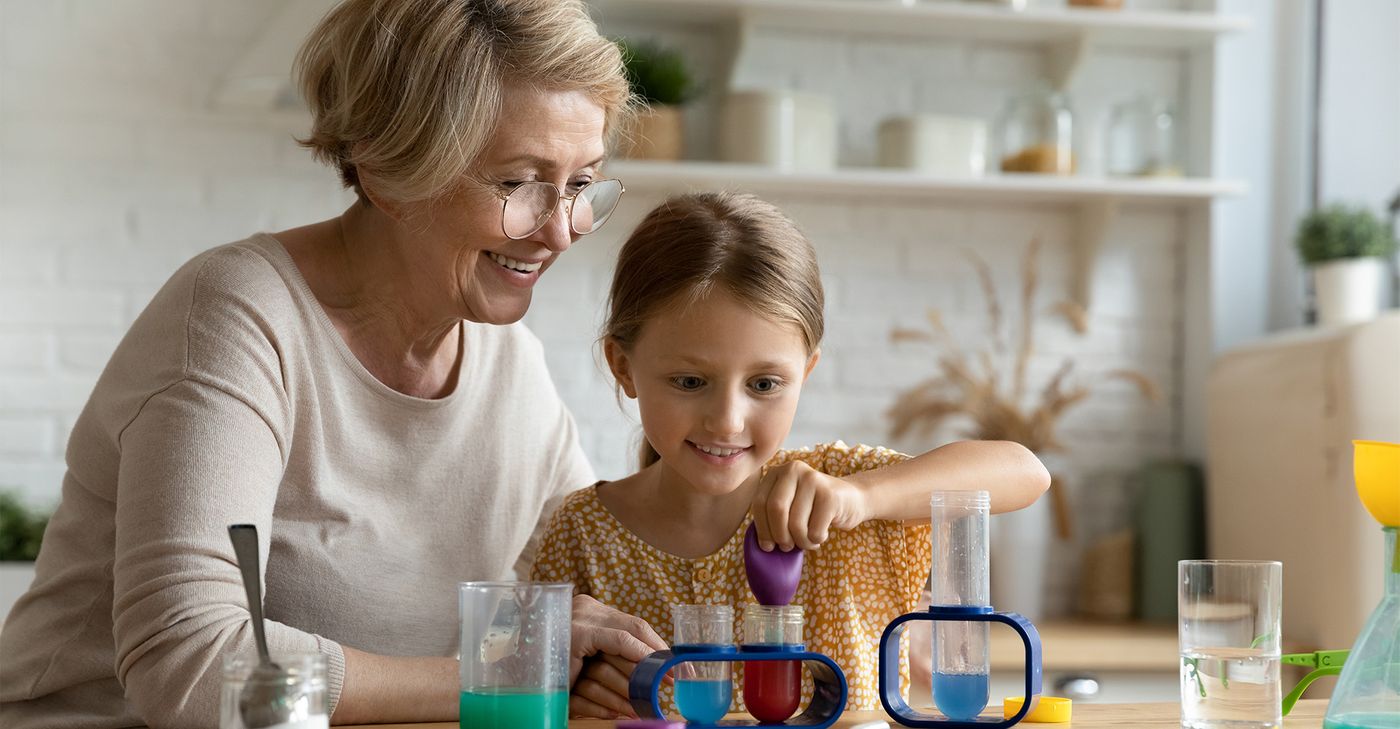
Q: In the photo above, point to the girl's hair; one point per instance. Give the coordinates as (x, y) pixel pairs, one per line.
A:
(409, 92)
(692, 245)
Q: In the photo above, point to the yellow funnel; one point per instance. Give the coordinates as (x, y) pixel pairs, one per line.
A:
(1376, 467)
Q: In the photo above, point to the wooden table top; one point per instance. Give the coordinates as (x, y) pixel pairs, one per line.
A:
(1306, 715)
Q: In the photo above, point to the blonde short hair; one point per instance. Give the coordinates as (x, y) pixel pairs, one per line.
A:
(408, 92)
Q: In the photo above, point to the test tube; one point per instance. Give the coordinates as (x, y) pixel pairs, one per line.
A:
(960, 578)
(703, 689)
(772, 689)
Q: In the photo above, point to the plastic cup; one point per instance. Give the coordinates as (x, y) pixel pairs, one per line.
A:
(703, 689)
(515, 654)
(772, 689)
(960, 578)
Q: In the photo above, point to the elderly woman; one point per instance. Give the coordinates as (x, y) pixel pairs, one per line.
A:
(360, 389)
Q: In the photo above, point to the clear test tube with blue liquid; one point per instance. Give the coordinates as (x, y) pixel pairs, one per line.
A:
(703, 689)
(960, 579)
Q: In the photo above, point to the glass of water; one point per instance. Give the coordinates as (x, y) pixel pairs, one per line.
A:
(1228, 619)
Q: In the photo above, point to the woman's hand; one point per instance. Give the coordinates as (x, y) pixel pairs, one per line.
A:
(612, 642)
(601, 689)
(796, 505)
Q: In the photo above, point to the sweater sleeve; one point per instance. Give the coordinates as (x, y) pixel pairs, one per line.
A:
(195, 460)
(570, 472)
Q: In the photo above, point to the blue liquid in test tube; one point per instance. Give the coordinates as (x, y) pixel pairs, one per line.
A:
(960, 696)
(704, 701)
(960, 578)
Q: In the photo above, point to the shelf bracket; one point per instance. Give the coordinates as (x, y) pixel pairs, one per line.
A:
(1065, 58)
(1095, 218)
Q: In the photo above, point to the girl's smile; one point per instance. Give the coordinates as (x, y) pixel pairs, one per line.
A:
(718, 455)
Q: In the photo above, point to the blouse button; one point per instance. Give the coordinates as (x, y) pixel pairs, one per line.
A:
(702, 574)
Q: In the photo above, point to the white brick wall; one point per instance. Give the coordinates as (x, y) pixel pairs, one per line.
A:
(114, 170)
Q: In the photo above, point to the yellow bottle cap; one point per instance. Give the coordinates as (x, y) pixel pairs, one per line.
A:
(1050, 709)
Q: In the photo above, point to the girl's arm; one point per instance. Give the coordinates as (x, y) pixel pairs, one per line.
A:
(1008, 471)
(795, 504)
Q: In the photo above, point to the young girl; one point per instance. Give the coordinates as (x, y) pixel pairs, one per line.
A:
(714, 322)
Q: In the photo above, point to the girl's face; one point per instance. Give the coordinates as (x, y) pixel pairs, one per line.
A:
(717, 387)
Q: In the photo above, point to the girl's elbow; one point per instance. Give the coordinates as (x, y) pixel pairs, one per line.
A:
(1035, 473)
(1033, 479)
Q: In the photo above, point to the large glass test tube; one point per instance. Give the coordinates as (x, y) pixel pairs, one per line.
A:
(960, 578)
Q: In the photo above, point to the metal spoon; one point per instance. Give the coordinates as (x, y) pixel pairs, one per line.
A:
(264, 700)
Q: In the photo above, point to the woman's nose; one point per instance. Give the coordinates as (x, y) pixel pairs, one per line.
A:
(556, 234)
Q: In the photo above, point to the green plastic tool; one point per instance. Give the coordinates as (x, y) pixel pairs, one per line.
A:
(1325, 663)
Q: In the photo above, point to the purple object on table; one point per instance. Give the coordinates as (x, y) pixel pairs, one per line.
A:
(649, 724)
(773, 576)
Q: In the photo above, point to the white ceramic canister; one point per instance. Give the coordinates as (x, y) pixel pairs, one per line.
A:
(785, 129)
(935, 144)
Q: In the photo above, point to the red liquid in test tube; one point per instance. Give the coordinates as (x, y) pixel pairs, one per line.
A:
(772, 689)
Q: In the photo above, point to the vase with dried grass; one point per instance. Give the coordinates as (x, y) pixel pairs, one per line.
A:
(989, 385)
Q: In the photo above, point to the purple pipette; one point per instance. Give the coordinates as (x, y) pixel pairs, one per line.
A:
(773, 576)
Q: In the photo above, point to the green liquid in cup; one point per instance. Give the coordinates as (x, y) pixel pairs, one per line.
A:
(515, 708)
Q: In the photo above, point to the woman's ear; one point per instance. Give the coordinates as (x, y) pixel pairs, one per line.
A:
(811, 362)
(379, 202)
(370, 187)
(620, 365)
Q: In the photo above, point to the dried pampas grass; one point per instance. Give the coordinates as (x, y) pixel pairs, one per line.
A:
(969, 383)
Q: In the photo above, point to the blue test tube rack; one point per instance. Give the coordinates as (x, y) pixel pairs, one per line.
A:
(889, 688)
(828, 682)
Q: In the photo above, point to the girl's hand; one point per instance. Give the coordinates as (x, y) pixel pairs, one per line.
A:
(796, 505)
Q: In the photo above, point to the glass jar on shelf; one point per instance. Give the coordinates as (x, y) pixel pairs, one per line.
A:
(1141, 140)
(1035, 134)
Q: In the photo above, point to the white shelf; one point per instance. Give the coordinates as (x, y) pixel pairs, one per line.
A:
(940, 19)
(852, 183)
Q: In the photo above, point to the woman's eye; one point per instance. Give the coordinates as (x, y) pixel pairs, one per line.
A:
(765, 385)
(577, 185)
(688, 382)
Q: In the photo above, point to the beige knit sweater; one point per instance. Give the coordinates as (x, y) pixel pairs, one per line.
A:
(233, 399)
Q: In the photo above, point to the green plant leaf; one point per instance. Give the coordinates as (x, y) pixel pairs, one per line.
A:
(21, 529)
(1339, 232)
(657, 74)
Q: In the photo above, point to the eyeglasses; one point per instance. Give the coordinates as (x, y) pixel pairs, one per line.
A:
(526, 208)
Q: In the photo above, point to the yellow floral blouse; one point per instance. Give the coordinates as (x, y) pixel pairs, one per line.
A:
(850, 589)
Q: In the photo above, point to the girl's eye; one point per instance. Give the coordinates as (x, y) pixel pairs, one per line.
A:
(766, 385)
(688, 382)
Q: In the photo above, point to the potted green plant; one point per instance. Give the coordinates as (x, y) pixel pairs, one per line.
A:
(1345, 247)
(21, 530)
(660, 77)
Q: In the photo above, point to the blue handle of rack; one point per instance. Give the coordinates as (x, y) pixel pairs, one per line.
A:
(899, 709)
(829, 687)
